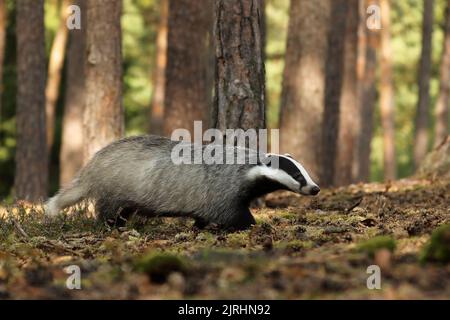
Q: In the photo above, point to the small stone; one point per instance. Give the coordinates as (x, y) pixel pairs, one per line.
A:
(268, 244)
(176, 281)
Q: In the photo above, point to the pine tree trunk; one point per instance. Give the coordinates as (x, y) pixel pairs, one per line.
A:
(349, 123)
(422, 113)
(103, 115)
(239, 100)
(367, 93)
(55, 66)
(188, 82)
(333, 89)
(71, 154)
(303, 88)
(31, 176)
(2, 48)
(159, 76)
(443, 99)
(387, 95)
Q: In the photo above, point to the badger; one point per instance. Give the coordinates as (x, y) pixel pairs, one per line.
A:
(137, 175)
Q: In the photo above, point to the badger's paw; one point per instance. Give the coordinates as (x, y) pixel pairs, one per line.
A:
(51, 209)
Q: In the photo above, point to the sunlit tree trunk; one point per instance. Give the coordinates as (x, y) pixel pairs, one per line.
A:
(333, 88)
(71, 154)
(369, 43)
(188, 82)
(159, 79)
(103, 114)
(55, 66)
(387, 94)
(303, 90)
(349, 122)
(239, 100)
(443, 99)
(2, 48)
(31, 176)
(423, 104)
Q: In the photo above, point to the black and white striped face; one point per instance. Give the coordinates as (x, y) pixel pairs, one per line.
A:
(288, 172)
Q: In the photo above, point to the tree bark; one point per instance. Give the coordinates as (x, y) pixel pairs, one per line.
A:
(333, 88)
(103, 114)
(349, 122)
(188, 81)
(55, 66)
(387, 94)
(303, 88)
(2, 48)
(71, 154)
(159, 77)
(367, 93)
(422, 113)
(239, 100)
(31, 176)
(443, 99)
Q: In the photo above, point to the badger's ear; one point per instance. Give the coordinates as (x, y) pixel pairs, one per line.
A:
(288, 155)
(265, 159)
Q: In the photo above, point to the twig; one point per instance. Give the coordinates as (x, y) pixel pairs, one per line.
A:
(19, 228)
(354, 205)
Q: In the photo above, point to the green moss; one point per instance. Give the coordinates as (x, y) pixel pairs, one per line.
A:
(296, 245)
(438, 248)
(373, 245)
(159, 265)
(238, 239)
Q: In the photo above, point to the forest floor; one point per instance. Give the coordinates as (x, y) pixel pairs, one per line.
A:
(301, 248)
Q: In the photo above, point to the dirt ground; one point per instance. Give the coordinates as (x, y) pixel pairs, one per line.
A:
(301, 248)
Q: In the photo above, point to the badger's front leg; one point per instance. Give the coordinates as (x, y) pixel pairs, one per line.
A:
(234, 218)
(242, 220)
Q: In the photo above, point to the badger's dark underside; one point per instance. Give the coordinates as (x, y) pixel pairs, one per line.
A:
(237, 217)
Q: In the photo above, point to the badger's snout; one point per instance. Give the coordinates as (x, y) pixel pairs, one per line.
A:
(310, 190)
(314, 190)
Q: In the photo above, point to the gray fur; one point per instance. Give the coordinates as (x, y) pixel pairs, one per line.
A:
(137, 175)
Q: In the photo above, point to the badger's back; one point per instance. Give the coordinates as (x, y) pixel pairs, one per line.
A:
(139, 171)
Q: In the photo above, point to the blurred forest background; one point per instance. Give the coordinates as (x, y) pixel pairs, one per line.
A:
(407, 49)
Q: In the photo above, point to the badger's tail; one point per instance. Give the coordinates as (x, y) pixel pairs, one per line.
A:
(64, 198)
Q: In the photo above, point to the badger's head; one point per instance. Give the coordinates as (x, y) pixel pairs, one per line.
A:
(286, 172)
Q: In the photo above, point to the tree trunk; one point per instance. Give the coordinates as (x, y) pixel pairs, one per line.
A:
(333, 89)
(443, 99)
(188, 82)
(422, 113)
(387, 94)
(303, 89)
(2, 48)
(367, 92)
(239, 100)
(103, 114)
(349, 123)
(31, 176)
(55, 66)
(159, 77)
(71, 154)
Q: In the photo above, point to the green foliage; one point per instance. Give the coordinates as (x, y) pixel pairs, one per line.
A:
(377, 243)
(438, 248)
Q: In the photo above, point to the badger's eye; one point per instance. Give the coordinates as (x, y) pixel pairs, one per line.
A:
(300, 178)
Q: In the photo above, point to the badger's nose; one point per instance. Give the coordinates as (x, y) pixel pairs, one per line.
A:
(315, 190)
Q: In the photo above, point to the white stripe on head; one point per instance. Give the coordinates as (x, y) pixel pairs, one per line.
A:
(309, 182)
(277, 175)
